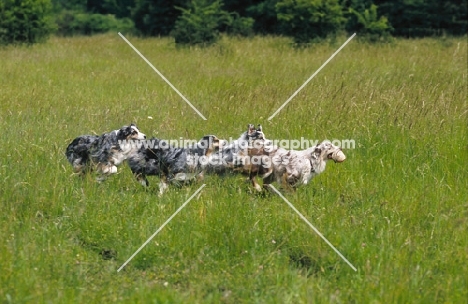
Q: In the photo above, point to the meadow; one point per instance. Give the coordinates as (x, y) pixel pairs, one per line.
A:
(397, 208)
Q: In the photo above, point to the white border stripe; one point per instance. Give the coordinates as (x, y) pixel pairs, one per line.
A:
(160, 228)
(162, 76)
(313, 228)
(310, 78)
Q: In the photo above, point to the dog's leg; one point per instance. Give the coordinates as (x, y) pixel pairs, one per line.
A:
(78, 168)
(113, 169)
(101, 171)
(106, 169)
(101, 178)
(256, 185)
(267, 180)
(142, 179)
(163, 185)
(201, 176)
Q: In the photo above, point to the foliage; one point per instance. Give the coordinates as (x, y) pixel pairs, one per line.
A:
(25, 21)
(265, 16)
(201, 23)
(119, 8)
(309, 20)
(417, 18)
(71, 23)
(304, 20)
(239, 26)
(156, 17)
(369, 25)
(358, 5)
(239, 6)
(70, 5)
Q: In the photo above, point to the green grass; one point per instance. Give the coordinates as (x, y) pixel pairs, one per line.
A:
(397, 208)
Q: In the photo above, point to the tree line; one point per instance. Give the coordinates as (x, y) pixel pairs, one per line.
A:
(202, 21)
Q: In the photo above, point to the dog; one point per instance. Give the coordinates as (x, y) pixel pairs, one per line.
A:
(103, 153)
(244, 157)
(172, 164)
(297, 168)
(228, 156)
(255, 160)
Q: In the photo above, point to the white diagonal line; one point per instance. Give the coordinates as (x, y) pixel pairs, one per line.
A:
(160, 228)
(313, 228)
(162, 76)
(310, 78)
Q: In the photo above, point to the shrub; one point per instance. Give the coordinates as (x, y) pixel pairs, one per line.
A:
(240, 26)
(265, 16)
(369, 25)
(156, 17)
(70, 5)
(309, 20)
(76, 23)
(417, 18)
(118, 8)
(25, 21)
(201, 23)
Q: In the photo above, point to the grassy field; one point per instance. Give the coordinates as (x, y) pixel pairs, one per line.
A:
(397, 208)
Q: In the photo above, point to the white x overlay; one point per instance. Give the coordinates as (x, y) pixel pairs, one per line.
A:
(162, 76)
(310, 78)
(313, 228)
(203, 117)
(160, 228)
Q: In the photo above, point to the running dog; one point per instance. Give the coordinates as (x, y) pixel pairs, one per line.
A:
(226, 157)
(103, 153)
(245, 155)
(297, 168)
(170, 163)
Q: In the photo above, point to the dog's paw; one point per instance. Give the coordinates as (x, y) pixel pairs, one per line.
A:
(258, 188)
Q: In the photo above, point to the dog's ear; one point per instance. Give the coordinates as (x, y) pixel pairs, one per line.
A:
(127, 131)
(259, 129)
(215, 141)
(251, 129)
(318, 151)
(213, 144)
(123, 132)
(205, 142)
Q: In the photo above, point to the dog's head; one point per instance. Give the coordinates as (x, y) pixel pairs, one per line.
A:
(326, 151)
(210, 144)
(130, 132)
(255, 133)
(257, 138)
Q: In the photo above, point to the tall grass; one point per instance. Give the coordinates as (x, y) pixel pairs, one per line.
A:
(397, 208)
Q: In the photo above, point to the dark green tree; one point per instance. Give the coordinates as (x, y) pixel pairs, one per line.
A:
(119, 8)
(368, 24)
(239, 6)
(454, 17)
(200, 23)
(265, 17)
(71, 5)
(310, 20)
(25, 21)
(156, 17)
(416, 18)
(203, 21)
(72, 23)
